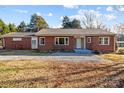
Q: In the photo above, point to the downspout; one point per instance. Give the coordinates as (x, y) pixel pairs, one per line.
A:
(115, 43)
(84, 42)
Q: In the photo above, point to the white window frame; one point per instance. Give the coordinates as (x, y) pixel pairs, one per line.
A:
(64, 40)
(88, 38)
(103, 42)
(16, 39)
(40, 40)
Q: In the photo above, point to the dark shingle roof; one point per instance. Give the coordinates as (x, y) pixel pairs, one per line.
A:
(19, 34)
(72, 32)
(60, 32)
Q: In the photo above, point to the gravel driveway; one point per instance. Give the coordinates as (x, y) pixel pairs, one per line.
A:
(72, 57)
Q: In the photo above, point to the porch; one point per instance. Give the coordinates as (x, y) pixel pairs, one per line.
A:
(80, 42)
(80, 46)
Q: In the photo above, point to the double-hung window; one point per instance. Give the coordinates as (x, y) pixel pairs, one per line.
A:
(104, 40)
(88, 39)
(61, 40)
(42, 41)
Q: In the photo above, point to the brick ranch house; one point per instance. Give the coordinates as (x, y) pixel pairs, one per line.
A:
(61, 39)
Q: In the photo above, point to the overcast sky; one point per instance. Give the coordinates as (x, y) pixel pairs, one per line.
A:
(53, 14)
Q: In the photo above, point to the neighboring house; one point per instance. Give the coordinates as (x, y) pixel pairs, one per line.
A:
(120, 40)
(61, 39)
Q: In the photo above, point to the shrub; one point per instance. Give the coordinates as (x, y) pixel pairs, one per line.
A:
(97, 52)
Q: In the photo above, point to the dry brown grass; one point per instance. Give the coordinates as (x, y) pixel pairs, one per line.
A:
(61, 74)
(114, 57)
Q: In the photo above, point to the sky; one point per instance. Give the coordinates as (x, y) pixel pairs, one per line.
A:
(53, 14)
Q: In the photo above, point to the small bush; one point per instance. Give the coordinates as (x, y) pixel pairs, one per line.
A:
(68, 51)
(96, 52)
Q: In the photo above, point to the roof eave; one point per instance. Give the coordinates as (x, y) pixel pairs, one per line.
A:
(76, 34)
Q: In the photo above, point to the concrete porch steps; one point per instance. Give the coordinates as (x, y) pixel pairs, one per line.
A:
(83, 51)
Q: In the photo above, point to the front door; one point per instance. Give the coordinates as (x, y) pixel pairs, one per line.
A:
(78, 43)
(34, 43)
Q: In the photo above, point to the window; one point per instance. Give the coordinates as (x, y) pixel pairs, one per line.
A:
(17, 39)
(41, 41)
(104, 40)
(120, 44)
(61, 40)
(89, 40)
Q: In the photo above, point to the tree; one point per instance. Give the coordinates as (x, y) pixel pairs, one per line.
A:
(12, 27)
(22, 27)
(66, 23)
(3, 28)
(119, 28)
(6, 29)
(75, 24)
(1, 24)
(91, 21)
(37, 23)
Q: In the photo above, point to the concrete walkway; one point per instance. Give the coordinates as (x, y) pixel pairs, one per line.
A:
(72, 58)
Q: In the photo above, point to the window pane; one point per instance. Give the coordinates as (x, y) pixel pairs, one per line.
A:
(121, 44)
(100, 40)
(34, 42)
(89, 39)
(57, 41)
(41, 40)
(61, 40)
(66, 40)
(105, 40)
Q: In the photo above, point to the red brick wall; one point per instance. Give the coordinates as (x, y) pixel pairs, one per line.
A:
(94, 45)
(24, 44)
(50, 44)
(89, 45)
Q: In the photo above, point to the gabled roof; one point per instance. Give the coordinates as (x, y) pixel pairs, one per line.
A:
(60, 32)
(19, 34)
(72, 32)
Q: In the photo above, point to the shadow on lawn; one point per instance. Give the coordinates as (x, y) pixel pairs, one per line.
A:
(102, 79)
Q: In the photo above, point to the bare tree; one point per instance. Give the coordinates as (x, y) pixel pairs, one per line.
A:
(119, 28)
(90, 21)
